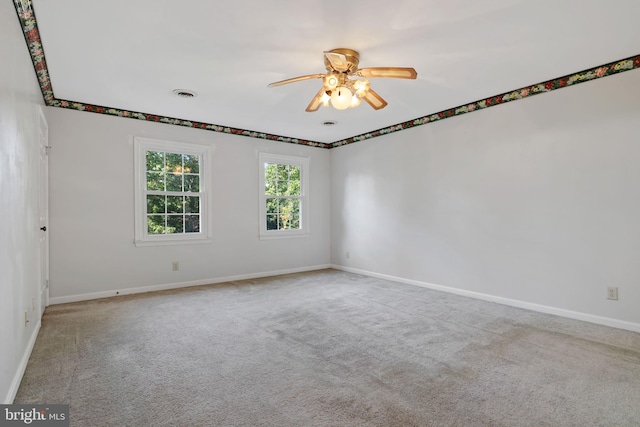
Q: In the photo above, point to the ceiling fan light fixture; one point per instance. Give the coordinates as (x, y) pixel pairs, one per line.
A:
(345, 85)
(361, 87)
(331, 81)
(341, 98)
(325, 99)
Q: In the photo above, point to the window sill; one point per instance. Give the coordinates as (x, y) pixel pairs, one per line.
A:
(282, 235)
(141, 243)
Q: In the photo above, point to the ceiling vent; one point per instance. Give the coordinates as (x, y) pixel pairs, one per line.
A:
(185, 93)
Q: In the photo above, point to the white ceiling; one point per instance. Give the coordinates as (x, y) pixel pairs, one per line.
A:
(131, 54)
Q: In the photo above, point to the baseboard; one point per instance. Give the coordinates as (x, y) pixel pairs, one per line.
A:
(600, 320)
(17, 378)
(166, 286)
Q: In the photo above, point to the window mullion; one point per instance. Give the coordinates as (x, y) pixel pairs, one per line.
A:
(173, 193)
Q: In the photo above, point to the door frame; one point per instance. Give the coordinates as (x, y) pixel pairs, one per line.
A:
(43, 210)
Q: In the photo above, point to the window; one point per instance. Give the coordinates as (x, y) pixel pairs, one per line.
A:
(171, 192)
(283, 196)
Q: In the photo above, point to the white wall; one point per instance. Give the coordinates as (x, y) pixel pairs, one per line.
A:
(19, 234)
(92, 208)
(535, 201)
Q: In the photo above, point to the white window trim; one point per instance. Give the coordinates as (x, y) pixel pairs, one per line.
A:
(303, 162)
(141, 146)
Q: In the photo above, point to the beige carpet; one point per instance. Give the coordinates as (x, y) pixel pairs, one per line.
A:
(328, 348)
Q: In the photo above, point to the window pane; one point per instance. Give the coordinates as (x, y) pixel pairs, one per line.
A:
(270, 171)
(294, 188)
(155, 204)
(272, 222)
(174, 162)
(294, 173)
(155, 161)
(155, 224)
(192, 223)
(272, 206)
(192, 183)
(191, 164)
(175, 224)
(283, 188)
(174, 182)
(284, 222)
(155, 181)
(175, 204)
(285, 206)
(192, 204)
(294, 205)
(283, 172)
(295, 221)
(270, 188)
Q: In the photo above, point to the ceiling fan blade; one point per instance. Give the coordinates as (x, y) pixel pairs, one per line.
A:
(296, 79)
(316, 102)
(375, 100)
(337, 60)
(388, 72)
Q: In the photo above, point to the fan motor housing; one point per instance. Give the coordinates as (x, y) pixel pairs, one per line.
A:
(353, 59)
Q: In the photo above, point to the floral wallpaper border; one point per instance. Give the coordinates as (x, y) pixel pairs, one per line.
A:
(181, 122)
(29, 25)
(525, 92)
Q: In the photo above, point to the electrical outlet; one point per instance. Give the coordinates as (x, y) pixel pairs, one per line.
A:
(175, 265)
(612, 292)
(347, 255)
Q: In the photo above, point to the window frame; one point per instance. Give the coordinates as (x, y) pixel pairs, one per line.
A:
(303, 163)
(142, 237)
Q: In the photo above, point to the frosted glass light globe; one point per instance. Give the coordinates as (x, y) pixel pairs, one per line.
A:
(341, 98)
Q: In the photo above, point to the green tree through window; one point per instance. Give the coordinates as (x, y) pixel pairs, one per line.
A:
(282, 191)
(172, 193)
(284, 196)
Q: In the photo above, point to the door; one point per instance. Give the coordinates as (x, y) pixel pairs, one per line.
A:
(43, 212)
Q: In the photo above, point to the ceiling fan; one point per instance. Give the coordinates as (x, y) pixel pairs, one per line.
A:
(345, 85)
